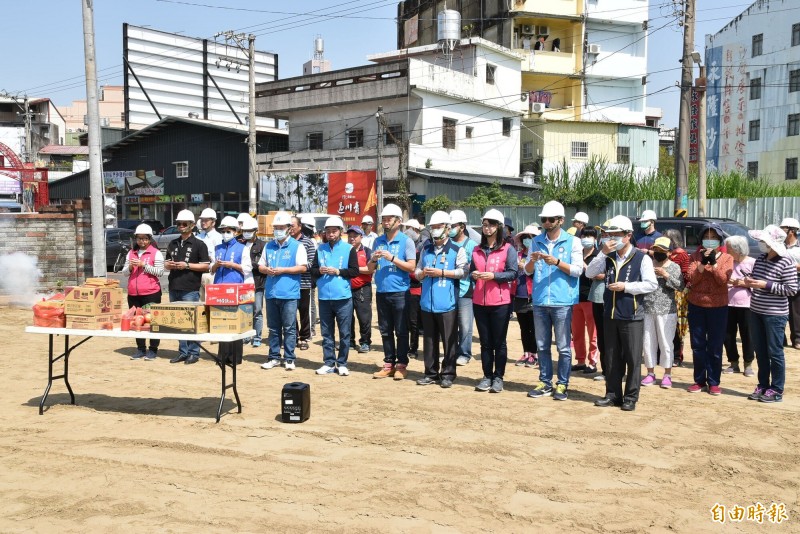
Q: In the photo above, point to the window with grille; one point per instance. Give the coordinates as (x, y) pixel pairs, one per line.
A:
(491, 70)
(793, 125)
(755, 130)
(315, 141)
(181, 169)
(355, 138)
(580, 149)
(795, 34)
(758, 44)
(623, 154)
(449, 133)
(755, 88)
(791, 168)
(393, 132)
(794, 81)
(752, 169)
(527, 150)
(507, 126)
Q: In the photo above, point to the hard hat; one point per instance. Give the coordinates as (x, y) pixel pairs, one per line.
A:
(458, 216)
(571, 230)
(143, 229)
(250, 224)
(412, 223)
(581, 217)
(439, 217)
(241, 217)
(620, 223)
(788, 222)
(367, 219)
(648, 215)
(229, 222)
(308, 220)
(208, 213)
(282, 218)
(553, 208)
(494, 215)
(391, 210)
(185, 215)
(334, 221)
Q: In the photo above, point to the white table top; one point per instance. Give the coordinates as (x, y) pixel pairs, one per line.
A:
(219, 338)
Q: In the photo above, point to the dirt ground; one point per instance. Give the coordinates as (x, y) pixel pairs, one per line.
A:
(141, 451)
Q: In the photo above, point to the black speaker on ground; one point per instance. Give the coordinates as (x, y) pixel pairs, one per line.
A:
(295, 402)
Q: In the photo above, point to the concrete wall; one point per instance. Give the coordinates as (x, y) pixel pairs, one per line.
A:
(631, 11)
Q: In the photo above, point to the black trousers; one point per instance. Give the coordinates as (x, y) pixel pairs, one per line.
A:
(140, 301)
(440, 327)
(414, 322)
(739, 319)
(304, 309)
(623, 341)
(794, 320)
(527, 330)
(362, 310)
(597, 314)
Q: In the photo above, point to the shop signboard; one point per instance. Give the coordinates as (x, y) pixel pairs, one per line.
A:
(352, 194)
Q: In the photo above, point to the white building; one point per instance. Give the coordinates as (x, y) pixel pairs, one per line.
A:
(753, 92)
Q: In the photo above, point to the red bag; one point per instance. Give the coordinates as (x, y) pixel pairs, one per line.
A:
(49, 313)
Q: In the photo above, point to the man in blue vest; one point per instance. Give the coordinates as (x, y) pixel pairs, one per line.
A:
(460, 237)
(629, 274)
(556, 263)
(334, 265)
(442, 265)
(393, 258)
(229, 255)
(283, 262)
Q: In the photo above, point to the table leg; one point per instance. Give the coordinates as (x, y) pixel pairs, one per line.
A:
(65, 375)
(228, 355)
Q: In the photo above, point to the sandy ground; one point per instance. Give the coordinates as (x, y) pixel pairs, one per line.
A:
(141, 451)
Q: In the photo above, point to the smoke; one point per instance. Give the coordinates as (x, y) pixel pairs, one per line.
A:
(20, 278)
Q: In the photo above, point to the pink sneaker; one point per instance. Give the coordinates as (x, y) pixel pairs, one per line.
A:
(695, 388)
(714, 390)
(666, 382)
(649, 380)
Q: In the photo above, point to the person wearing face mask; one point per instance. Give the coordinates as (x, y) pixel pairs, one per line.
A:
(579, 222)
(460, 237)
(144, 264)
(441, 265)
(230, 261)
(596, 295)
(709, 273)
(412, 230)
(629, 276)
(556, 263)
(208, 234)
(302, 230)
(187, 260)
(678, 255)
(647, 222)
(583, 326)
(739, 297)
(239, 220)
(361, 287)
(253, 249)
(791, 227)
(523, 306)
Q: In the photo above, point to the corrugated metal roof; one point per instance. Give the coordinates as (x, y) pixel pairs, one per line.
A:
(64, 150)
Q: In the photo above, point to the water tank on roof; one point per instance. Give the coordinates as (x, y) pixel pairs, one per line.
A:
(449, 26)
(319, 45)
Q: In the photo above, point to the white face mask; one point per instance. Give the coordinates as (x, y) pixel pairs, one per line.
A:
(227, 236)
(438, 233)
(280, 235)
(248, 235)
(763, 247)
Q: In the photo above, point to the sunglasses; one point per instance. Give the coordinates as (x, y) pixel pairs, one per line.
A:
(183, 224)
(548, 220)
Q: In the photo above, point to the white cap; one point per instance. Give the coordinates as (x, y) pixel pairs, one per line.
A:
(458, 216)
(249, 224)
(788, 222)
(439, 217)
(241, 217)
(648, 215)
(412, 223)
(494, 215)
(530, 230)
(552, 209)
(208, 213)
(282, 218)
(334, 221)
(620, 223)
(581, 217)
(308, 220)
(185, 215)
(367, 219)
(143, 229)
(229, 222)
(391, 210)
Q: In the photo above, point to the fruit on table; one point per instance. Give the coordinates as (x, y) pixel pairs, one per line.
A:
(138, 320)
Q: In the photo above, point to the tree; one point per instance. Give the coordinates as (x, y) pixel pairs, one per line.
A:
(494, 195)
(437, 203)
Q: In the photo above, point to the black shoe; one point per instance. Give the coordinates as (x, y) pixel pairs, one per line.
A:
(412, 355)
(589, 370)
(178, 358)
(628, 406)
(191, 359)
(605, 402)
(427, 381)
(580, 367)
(446, 383)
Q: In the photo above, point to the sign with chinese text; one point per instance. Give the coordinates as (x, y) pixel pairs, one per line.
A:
(352, 195)
(694, 120)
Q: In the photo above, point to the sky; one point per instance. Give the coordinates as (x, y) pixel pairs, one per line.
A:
(44, 58)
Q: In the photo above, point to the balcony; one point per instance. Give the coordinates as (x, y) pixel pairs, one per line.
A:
(546, 62)
(564, 8)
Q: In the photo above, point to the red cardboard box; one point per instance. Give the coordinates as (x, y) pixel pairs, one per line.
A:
(230, 294)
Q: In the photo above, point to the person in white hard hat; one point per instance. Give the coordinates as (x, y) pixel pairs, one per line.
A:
(368, 225)
(461, 237)
(302, 230)
(187, 260)
(208, 234)
(647, 223)
(579, 222)
(393, 258)
(253, 249)
(239, 220)
(523, 305)
(791, 226)
(230, 261)
(556, 263)
(413, 229)
(144, 265)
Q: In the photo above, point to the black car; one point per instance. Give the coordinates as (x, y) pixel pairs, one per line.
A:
(690, 228)
(131, 224)
(116, 240)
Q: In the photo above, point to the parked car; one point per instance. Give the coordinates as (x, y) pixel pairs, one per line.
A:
(131, 224)
(169, 234)
(117, 240)
(690, 228)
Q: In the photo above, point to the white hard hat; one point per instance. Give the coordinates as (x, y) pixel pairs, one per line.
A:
(458, 216)
(282, 218)
(494, 215)
(648, 215)
(581, 217)
(620, 223)
(241, 217)
(391, 210)
(185, 215)
(439, 217)
(250, 224)
(229, 222)
(308, 220)
(788, 222)
(334, 221)
(412, 223)
(367, 219)
(553, 208)
(208, 213)
(143, 229)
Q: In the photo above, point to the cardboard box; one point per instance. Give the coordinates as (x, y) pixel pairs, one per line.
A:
(179, 318)
(90, 301)
(106, 321)
(230, 294)
(231, 319)
(265, 223)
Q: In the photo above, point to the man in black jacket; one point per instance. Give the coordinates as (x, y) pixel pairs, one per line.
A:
(255, 247)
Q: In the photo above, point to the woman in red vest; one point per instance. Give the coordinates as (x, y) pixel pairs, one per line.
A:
(144, 265)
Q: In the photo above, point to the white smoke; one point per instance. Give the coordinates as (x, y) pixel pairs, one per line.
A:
(20, 278)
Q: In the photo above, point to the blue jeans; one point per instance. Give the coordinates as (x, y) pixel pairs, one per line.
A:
(258, 315)
(465, 321)
(340, 311)
(186, 348)
(393, 320)
(707, 328)
(546, 320)
(766, 334)
(281, 317)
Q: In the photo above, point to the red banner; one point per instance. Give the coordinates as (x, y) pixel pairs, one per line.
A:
(351, 195)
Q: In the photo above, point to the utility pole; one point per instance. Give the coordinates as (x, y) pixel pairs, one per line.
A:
(682, 142)
(379, 117)
(95, 160)
(28, 143)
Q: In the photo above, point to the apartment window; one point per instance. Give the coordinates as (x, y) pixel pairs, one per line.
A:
(527, 150)
(490, 72)
(758, 44)
(623, 154)
(470, 129)
(791, 168)
(755, 88)
(393, 132)
(795, 34)
(794, 81)
(752, 169)
(355, 138)
(755, 131)
(507, 126)
(315, 141)
(181, 169)
(580, 149)
(793, 125)
(449, 133)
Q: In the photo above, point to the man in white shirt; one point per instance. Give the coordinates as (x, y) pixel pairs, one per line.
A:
(208, 234)
(367, 224)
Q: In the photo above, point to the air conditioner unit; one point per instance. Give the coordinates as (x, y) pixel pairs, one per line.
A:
(542, 30)
(538, 107)
(528, 29)
(594, 48)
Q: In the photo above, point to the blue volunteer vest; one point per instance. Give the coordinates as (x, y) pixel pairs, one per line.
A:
(388, 277)
(465, 285)
(551, 287)
(230, 251)
(438, 293)
(329, 286)
(285, 286)
(618, 304)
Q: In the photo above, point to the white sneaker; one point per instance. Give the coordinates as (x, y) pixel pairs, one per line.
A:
(289, 365)
(270, 364)
(325, 370)
(599, 378)
(343, 370)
